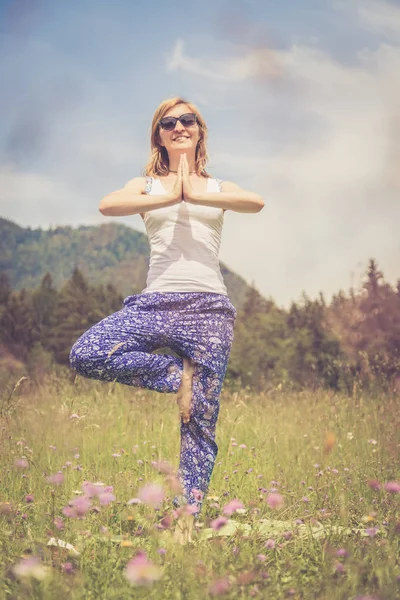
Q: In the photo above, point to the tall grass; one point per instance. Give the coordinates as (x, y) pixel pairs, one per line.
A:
(326, 457)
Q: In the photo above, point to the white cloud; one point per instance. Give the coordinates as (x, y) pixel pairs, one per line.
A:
(318, 138)
(379, 16)
(255, 63)
(332, 195)
(33, 199)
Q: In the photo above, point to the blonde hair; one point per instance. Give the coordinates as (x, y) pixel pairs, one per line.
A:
(159, 161)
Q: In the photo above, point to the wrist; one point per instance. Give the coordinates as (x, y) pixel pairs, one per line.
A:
(192, 199)
(173, 199)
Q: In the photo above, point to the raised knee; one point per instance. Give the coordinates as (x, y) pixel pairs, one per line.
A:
(76, 359)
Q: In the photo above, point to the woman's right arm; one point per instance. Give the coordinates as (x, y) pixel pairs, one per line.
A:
(132, 199)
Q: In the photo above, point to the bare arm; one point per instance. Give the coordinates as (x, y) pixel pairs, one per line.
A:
(231, 197)
(132, 199)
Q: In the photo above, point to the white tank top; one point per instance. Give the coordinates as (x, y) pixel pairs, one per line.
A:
(184, 245)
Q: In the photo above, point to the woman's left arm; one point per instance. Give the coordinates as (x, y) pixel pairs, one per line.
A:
(230, 197)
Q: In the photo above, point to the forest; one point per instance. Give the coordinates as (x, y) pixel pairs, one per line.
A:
(350, 342)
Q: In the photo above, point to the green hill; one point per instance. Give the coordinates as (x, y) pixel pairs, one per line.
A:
(109, 253)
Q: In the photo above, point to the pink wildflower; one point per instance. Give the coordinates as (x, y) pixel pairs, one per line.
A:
(275, 500)
(218, 523)
(152, 494)
(29, 498)
(187, 509)
(339, 567)
(57, 478)
(261, 557)
(92, 489)
(67, 568)
(21, 463)
(69, 512)
(106, 497)
(219, 587)
(78, 507)
(198, 494)
(141, 571)
(393, 487)
(232, 506)
(30, 567)
(59, 523)
(374, 484)
(270, 543)
(264, 574)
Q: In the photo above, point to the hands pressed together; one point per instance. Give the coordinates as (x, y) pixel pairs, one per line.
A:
(183, 189)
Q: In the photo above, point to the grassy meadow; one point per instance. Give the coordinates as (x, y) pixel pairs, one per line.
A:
(316, 476)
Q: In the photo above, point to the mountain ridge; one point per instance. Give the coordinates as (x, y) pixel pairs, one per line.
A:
(108, 253)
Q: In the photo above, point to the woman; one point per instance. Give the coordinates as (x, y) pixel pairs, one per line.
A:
(185, 305)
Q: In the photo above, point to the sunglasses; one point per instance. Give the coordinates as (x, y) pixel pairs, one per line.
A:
(187, 120)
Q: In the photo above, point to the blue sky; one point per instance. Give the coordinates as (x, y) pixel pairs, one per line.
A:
(301, 99)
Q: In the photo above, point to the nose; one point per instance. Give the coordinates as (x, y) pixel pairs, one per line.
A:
(179, 126)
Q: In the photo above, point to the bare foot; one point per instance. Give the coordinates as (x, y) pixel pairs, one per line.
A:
(184, 399)
(184, 528)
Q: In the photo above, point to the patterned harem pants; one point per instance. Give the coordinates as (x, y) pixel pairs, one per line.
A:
(198, 325)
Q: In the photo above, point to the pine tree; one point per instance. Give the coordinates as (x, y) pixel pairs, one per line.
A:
(18, 332)
(75, 312)
(108, 299)
(379, 331)
(44, 301)
(312, 350)
(374, 276)
(255, 303)
(5, 288)
(5, 292)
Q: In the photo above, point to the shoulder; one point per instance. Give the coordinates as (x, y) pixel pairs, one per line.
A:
(228, 186)
(138, 184)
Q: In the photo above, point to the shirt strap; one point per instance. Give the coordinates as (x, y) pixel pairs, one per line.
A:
(149, 183)
(219, 183)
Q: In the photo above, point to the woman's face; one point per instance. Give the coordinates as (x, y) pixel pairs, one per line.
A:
(180, 139)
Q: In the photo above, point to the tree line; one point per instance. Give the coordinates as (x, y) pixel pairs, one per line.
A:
(354, 340)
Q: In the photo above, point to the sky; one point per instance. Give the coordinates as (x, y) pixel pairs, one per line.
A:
(302, 103)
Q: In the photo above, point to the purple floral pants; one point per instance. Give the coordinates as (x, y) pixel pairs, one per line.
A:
(198, 325)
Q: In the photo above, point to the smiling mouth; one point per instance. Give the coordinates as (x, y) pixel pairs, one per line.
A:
(181, 137)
